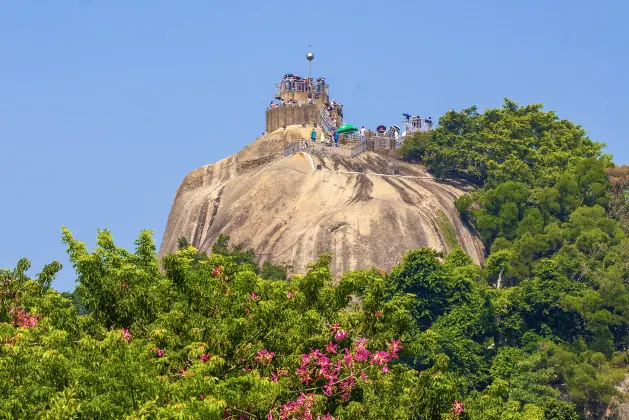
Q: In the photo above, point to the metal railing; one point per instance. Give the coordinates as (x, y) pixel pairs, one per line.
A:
(295, 147)
(301, 86)
(326, 123)
(350, 150)
(380, 142)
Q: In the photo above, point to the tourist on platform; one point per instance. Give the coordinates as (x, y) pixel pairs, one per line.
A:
(313, 135)
(361, 132)
(336, 139)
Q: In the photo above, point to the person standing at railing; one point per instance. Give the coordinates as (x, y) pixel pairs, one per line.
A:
(336, 139)
(361, 132)
(313, 136)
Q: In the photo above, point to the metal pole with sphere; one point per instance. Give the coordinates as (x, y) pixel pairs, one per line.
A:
(310, 57)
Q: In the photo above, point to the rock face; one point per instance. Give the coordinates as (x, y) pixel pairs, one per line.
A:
(289, 212)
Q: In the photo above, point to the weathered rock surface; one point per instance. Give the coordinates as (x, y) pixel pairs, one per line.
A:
(289, 212)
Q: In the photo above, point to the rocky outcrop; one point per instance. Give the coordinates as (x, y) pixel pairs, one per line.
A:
(289, 211)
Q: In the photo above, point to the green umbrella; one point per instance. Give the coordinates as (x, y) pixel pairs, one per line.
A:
(346, 128)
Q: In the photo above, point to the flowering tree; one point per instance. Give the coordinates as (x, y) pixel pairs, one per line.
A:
(209, 338)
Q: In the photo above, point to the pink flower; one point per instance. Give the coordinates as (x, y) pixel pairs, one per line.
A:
(457, 406)
(340, 335)
(276, 375)
(254, 296)
(335, 327)
(289, 295)
(300, 408)
(304, 375)
(201, 396)
(380, 358)
(348, 358)
(264, 356)
(378, 314)
(160, 352)
(394, 347)
(23, 319)
(204, 357)
(361, 354)
(126, 335)
(330, 347)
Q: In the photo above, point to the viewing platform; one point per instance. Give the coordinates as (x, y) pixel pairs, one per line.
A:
(303, 101)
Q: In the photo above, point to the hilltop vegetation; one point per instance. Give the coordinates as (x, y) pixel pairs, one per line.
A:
(539, 332)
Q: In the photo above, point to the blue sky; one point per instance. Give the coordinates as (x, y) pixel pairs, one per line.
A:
(106, 105)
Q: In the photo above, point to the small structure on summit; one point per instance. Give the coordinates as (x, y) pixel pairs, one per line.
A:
(413, 124)
(303, 100)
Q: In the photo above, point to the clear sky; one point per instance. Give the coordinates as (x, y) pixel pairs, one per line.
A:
(105, 105)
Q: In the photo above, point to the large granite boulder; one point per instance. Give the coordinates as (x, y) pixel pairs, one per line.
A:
(289, 211)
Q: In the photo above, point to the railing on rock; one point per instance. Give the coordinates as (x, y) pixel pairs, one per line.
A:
(295, 147)
(350, 150)
(381, 142)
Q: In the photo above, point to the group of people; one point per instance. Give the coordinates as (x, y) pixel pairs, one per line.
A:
(416, 122)
(328, 141)
(332, 110)
(294, 83)
(282, 103)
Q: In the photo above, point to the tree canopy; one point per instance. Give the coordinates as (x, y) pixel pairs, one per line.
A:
(540, 331)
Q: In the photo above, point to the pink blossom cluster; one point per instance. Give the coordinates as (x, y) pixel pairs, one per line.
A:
(457, 406)
(159, 352)
(264, 356)
(340, 376)
(126, 335)
(276, 375)
(301, 408)
(339, 333)
(217, 271)
(23, 319)
(204, 357)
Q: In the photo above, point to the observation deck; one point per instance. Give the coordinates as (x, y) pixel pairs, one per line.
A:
(302, 91)
(303, 101)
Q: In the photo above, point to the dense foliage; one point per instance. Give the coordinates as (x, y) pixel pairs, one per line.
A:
(553, 211)
(540, 332)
